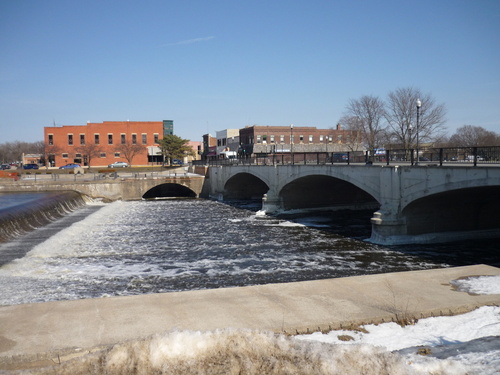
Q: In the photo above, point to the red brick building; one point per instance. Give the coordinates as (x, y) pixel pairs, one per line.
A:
(103, 143)
(282, 139)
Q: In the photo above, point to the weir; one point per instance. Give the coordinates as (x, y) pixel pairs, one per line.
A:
(34, 213)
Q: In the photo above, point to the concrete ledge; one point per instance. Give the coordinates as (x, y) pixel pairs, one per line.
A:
(46, 332)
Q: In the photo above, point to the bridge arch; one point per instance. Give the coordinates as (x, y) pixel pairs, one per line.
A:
(458, 210)
(411, 200)
(169, 190)
(325, 192)
(433, 181)
(245, 186)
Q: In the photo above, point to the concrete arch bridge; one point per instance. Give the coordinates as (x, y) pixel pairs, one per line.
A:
(410, 204)
(115, 189)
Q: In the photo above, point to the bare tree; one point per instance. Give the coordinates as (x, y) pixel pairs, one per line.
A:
(477, 136)
(401, 114)
(49, 152)
(130, 150)
(357, 142)
(365, 115)
(13, 151)
(89, 151)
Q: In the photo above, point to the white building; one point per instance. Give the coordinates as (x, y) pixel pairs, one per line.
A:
(228, 140)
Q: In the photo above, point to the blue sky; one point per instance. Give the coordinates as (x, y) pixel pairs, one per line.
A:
(212, 65)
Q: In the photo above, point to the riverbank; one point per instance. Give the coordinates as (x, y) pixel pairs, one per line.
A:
(42, 333)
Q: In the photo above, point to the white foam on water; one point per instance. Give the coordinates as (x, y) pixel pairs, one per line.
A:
(149, 247)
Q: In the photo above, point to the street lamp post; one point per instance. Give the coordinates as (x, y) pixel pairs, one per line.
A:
(291, 141)
(419, 104)
(409, 144)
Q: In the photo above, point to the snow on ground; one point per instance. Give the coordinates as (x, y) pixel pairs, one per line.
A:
(435, 335)
(479, 285)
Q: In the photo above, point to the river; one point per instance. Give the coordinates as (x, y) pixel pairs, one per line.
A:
(128, 248)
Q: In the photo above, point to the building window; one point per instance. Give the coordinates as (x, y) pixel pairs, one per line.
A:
(65, 156)
(117, 154)
(330, 138)
(134, 139)
(311, 139)
(264, 139)
(122, 139)
(156, 137)
(301, 138)
(144, 139)
(292, 138)
(110, 139)
(339, 138)
(82, 139)
(321, 139)
(79, 156)
(70, 139)
(96, 139)
(282, 138)
(102, 155)
(259, 139)
(271, 138)
(51, 139)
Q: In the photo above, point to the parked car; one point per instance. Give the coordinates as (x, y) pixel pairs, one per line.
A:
(177, 162)
(30, 166)
(339, 158)
(70, 166)
(118, 164)
(4, 167)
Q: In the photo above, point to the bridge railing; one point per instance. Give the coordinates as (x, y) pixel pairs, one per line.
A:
(446, 156)
(472, 156)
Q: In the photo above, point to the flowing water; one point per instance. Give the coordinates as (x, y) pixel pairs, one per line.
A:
(127, 248)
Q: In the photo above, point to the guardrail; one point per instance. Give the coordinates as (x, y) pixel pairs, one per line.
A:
(470, 156)
(99, 176)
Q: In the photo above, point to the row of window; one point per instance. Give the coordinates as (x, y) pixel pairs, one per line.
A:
(97, 139)
(292, 138)
(224, 141)
(79, 156)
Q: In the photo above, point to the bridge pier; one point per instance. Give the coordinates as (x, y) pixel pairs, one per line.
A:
(271, 203)
(388, 224)
(388, 229)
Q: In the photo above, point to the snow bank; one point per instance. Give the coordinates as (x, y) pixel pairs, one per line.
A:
(243, 352)
(461, 334)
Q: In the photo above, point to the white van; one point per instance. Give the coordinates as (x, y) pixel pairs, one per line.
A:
(230, 155)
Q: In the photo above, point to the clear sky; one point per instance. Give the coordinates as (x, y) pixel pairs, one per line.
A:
(213, 65)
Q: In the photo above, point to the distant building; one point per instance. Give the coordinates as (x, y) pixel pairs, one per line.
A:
(285, 139)
(198, 149)
(209, 146)
(103, 141)
(228, 140)
(31, 158)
